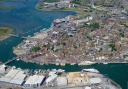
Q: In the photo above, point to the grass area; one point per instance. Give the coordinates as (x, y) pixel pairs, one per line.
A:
(94, 26)
(71, 9)
(76, 1)
(112, 46)
(5, 30)
(100, 8)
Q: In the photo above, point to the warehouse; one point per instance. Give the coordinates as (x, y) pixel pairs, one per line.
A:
(14, 76)
(34, 81)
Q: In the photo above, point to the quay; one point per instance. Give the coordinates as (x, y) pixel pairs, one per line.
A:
(54, 79)
(14, 35)
(9, 61)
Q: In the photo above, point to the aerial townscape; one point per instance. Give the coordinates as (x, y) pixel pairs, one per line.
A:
(96, 34)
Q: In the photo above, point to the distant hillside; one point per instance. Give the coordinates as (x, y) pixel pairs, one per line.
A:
(118, 3)
(108, 3)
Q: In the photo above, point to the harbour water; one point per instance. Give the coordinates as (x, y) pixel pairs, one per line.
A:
(26, 20)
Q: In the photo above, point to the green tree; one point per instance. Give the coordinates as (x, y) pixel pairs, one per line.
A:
(36, 49)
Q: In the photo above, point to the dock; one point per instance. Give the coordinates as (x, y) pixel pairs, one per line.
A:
(14, 35)
(9, 61)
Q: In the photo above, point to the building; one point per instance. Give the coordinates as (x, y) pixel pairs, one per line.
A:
(2, 69)
(62, 81)
(95, 80)
(34, 81)
(14, 76)
(51, 78)
(64, 4)
(77, 78)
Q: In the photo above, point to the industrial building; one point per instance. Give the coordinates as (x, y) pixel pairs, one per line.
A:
(14, 76)
(34, 81)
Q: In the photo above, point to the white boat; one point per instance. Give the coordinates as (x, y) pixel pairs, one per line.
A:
(18, 59)
(90, 70)
(105, 63)
(61, 70)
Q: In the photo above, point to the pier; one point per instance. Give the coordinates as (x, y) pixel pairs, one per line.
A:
(9, 61)
(14, 35)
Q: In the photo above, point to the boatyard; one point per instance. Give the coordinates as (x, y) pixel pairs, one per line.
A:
(12, 77)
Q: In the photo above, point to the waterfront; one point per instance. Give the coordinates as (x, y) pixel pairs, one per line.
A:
(55, 79)
(25, 17)
(117, 72)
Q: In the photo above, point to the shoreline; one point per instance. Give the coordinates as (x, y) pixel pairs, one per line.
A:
(89, 63)
(40, 7)
(59, 10)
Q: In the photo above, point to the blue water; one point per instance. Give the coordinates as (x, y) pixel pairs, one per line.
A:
(26, 20)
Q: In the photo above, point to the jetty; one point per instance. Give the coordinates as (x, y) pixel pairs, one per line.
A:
(18, 36)
(9, 61)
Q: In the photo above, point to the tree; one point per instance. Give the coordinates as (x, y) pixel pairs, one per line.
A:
(35, 49)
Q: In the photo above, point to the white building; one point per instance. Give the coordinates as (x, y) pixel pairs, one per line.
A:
(34, 81)
(64, 4)
(87, 19)
(2, 69)
(51, 78)
(62, 81)
(95, 80)
(14, 76)
(19, 78)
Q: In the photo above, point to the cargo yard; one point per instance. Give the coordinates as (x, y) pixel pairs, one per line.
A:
(11, 77)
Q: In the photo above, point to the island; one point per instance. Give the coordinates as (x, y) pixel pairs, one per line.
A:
(5, 32)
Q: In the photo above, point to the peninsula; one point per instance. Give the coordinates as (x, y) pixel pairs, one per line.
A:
(98, 34)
